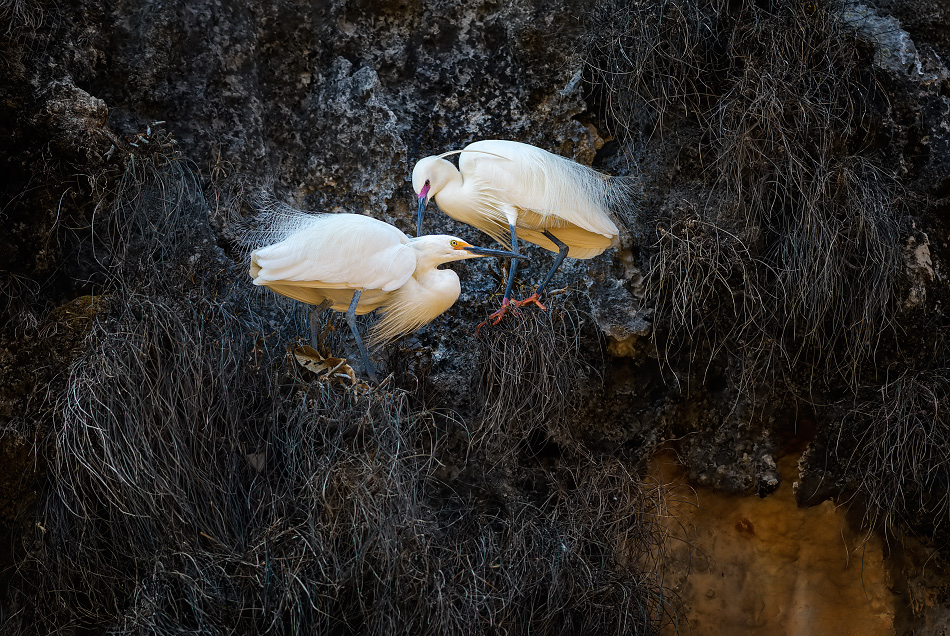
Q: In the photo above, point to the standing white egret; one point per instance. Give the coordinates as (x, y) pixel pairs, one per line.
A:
(355, 263)
(507, 188)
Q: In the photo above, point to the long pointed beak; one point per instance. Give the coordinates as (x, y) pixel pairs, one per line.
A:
(484, 251)
(419, 215)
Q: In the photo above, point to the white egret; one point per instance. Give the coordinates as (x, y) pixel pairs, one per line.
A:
(507, 188)
(355, 263)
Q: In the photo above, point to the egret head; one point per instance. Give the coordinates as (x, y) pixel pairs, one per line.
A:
(429, 176)
(440, 248)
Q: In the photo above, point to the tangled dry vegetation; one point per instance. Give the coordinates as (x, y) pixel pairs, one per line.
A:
(20, 16)
(530, 368)
(775, 257)
(894, 447)
(200, 481)
(787, 244)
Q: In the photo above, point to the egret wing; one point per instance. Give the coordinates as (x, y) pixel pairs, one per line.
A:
(544, 183)
(340, 251)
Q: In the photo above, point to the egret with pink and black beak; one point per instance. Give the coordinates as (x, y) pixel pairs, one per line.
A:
(511, 190)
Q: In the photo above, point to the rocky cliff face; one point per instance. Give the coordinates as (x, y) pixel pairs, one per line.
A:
(778, 289)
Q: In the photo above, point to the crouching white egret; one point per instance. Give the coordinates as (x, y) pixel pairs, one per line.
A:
(355, 263)
(510, 189)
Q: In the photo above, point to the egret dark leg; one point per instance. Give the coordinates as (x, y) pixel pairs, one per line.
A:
(562, 250)
(351, 321)
(512, 267)
(315, 316)
(496, 317)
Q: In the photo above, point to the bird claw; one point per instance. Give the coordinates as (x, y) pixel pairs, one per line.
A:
(506, 306)
(533, 298)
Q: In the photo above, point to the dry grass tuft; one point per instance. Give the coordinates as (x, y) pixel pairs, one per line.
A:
(151, 229)
(530, 367)
(894, 447)
(706, 281)
(22, 16)
(564, 555)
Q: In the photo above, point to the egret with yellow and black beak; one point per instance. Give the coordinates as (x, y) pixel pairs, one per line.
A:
(354, 264)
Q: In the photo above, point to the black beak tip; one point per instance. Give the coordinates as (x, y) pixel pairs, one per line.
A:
(419, 216)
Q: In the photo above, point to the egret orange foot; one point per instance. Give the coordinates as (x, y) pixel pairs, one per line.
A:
(495, 318)
(533, 298)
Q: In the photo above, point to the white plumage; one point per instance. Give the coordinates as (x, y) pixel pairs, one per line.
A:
(507, 188)
(347, 258)
(499, 181)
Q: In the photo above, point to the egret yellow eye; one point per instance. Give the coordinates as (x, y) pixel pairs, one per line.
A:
(454, 243)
